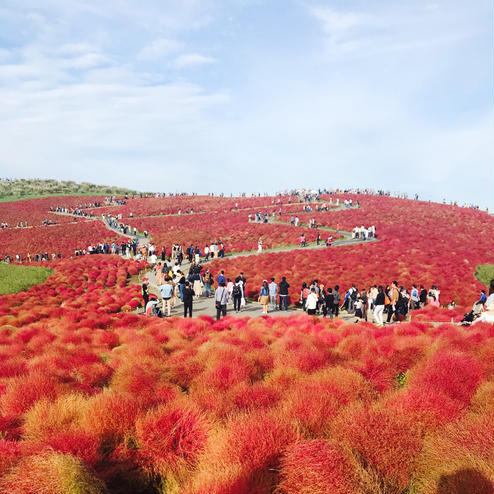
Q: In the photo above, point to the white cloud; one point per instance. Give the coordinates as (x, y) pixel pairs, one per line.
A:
(334, 21)
(159, 48)
(85, 61)
(191, 59)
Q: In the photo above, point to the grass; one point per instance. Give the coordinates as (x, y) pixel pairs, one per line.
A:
(39, 196)
(485, 273)
(15, 278)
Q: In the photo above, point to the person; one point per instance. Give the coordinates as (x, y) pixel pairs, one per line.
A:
(394, 295)
(221, 278)
(264, 296)
(197, 287)
(259, 245)
(318, 238)
(359, 304)
(237, 294)
(302, 240)
(365, 301)
(353, 295)
(151, 308)
(145, 291)
(166, 290)
(244, 281)
(283, 291)
(221, 299)
(329, 303)
(422, 296)
(414, 298)
(311, 302)
(208, 282)
(488, 315)
(337, 300)
(229, 289)
(379, 304)
(188, 296)
(304, 293)
(273, 292)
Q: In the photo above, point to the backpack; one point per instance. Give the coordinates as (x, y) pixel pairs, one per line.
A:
(353, 295)
(235, 290)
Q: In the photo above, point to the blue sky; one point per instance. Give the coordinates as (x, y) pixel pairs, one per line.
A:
(251, 95)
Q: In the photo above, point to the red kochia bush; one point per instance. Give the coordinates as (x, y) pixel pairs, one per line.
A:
(171, 437)
(77, 443)
(315, 467)
(383, 440)
(242, 457)
(24, 391)
(455, 374)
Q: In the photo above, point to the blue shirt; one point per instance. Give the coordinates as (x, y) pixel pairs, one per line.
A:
(166, 290)
(221, 279)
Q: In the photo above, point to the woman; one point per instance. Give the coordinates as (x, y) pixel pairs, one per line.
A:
(229, 289)
(379, 304)
(264, 296)
(197, 287)
(145, 291)
(259, 245)
(359, 304)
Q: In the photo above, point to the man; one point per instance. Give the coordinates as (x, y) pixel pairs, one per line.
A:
(283, 291)
(221, 299)
(273, 292)
(336, 299)
(329, 303)
(423, 296)
(166, 290)
(188, 296)
(221, 278)
(311, 302)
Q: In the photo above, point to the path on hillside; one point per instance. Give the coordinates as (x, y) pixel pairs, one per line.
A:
(206, 306)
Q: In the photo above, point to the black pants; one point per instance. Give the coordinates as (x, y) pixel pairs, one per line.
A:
(220, 311)
(312, 312)
(390, 312)
(188, 308)
(336, 309)
(236, 301)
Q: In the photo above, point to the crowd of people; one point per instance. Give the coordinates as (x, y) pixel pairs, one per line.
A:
(372, 304)
(45, 256)
(361, 232)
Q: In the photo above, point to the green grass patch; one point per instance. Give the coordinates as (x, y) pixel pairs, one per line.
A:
(485, 273)
(15, 278)
(40, 196)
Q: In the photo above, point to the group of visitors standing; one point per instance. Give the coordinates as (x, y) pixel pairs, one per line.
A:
(370, 305)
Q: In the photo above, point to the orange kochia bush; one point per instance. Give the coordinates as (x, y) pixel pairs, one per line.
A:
(296, 404)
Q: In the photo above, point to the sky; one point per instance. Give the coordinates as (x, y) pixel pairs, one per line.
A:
(250, 95)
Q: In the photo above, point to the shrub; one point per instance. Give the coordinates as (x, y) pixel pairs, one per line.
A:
(315, 467)
(171, 437)
(51, 473)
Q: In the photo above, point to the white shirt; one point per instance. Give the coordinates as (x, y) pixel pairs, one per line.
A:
(311, 302)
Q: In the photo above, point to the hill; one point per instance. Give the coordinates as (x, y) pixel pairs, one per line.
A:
(30, 188)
